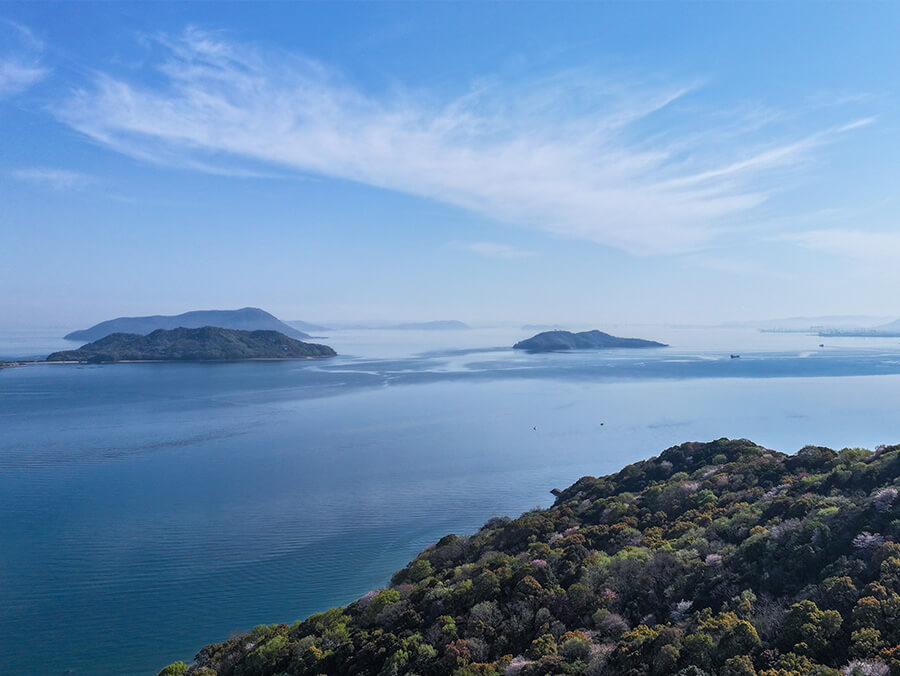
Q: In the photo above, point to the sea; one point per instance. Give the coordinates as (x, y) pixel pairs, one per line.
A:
(149, 509)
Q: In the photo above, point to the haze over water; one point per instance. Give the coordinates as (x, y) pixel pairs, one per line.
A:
(149, 509)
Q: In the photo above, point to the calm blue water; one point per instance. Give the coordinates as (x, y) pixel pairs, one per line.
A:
(149, 509)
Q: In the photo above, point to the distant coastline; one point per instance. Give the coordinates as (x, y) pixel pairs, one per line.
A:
(861, 333)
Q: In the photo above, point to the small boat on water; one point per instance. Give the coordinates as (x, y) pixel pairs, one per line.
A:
(735, 356)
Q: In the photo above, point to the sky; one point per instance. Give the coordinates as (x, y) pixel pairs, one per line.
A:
(495, 162)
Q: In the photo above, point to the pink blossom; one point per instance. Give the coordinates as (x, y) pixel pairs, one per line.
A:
(367, 598)
(516, 666)
(884, 499)
(867, 540)
(866, 668)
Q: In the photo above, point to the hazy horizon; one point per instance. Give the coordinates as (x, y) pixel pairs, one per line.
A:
(334, 323)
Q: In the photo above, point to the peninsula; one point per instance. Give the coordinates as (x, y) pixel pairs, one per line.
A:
(209, 343)
(553, 341)
(245, 319)
(720, 558)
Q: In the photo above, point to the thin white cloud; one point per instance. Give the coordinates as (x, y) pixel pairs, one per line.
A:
(570, 154)
(17, 76)
(23, 34)
(859, 244)
(20, 66)
(58, 179)
(772, 158)
(737, 267)
(492, 250)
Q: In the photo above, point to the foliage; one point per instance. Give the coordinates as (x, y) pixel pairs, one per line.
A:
(209, 343)
(718, 559)
(174, 669)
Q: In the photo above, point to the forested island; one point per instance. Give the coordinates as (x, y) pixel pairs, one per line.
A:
(553, 341)
(721, 558)
(209, 343)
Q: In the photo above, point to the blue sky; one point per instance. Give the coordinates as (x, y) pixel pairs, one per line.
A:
(584, 163)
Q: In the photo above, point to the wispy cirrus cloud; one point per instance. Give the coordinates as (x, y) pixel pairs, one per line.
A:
(572, 154)
(493, 250)
(59, 179)
(20, 61)
(17, 75)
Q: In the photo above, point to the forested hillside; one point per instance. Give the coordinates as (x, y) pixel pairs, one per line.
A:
(712, 558)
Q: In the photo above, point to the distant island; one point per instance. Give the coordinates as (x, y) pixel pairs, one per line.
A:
(444, 325)
(381, 325)
(208, 343)
(553, 341)
(891, 330)
(245, 319)
(722, 558)
(813, 324)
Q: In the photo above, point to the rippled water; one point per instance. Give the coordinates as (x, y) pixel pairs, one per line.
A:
(148, 509)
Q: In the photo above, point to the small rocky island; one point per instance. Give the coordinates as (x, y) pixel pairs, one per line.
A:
(553, 341)
(208, 343)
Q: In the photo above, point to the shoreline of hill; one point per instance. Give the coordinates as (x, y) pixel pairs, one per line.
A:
(721, 558)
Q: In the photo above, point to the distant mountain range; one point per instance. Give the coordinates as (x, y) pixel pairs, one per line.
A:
(209, 343)
(892, 326)
(812, 324)
(552, 341)
(889, 330)
(441, 325)
(445, 325)
(245, 319)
